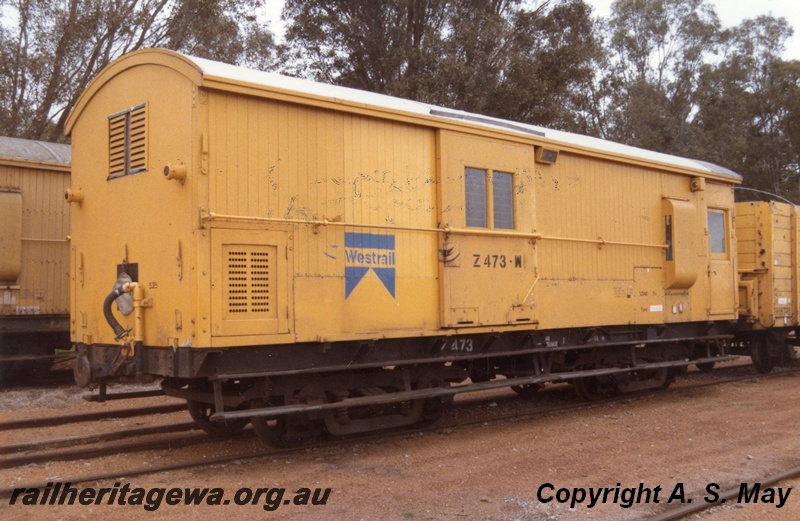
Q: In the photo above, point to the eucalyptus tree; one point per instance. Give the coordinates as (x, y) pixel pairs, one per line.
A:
(50, 49)
(657, 50)
(377, 46)
(749, 107)
(503, 58)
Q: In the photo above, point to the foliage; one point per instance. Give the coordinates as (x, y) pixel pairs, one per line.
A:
(658, 74)
(747, 108)
(657, 49)
(53, 48)
(494, 57)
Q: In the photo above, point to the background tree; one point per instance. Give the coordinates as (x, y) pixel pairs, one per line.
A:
(748, 108)
(657, 50)
(495, 57)
(658, 74)
(389, 47)
(671, 79)
(53, 48)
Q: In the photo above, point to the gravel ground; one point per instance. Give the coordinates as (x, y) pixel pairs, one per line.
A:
(684, 443)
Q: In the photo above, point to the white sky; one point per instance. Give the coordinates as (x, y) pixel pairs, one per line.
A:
(730, 12)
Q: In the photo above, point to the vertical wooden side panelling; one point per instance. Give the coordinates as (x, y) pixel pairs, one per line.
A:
(237, 157)
(745, 224)
(254, 167)
(302, 201)
(216, 157)
(599, 203)
(44, 278)
(298, 163)
(285, 151)
(315, 178)
(261, 129)
(328, 187)
(783, 262)
(242, 146)
(271, 181)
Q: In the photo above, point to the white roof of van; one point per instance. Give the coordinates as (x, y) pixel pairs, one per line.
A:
(30, 150)
(354, 96)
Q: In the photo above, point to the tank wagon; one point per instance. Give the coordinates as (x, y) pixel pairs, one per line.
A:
(34, 253)
(308, 257)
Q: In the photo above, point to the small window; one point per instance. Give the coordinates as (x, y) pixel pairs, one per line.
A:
(716, 231)
(475, 181)
(489, 198)
(503, 200)
(668, 234)
(127, 142)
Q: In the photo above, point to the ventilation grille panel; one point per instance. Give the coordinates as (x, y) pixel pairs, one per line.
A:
(249, 281)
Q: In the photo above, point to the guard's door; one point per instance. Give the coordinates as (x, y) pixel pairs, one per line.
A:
(487, 260)
(721, 281)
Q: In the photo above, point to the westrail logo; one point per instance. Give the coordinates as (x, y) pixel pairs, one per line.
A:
(365, 252)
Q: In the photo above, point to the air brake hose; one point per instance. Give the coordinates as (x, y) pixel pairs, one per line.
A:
(119, 331)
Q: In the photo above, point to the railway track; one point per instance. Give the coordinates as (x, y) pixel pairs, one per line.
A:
(51, 450)
(53, 421)
(682, 511)
(36, 379)
(176, 435)
(38, 371)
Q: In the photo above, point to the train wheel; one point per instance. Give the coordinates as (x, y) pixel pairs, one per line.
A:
(665, 376)
(272, 431)
(759, 353)
(201, 414)
(644, 380)
(593, 388)
(526, 390)
(703, 350)
(432, 408)
(705, 367)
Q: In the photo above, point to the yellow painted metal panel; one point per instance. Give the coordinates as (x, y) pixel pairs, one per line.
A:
(486, 279)
(10, 235)
(649, 302)
(297, 164)
(40, 225)
(142, 218)
(683, 224)
(250, 290)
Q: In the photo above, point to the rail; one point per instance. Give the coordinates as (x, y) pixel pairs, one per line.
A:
(32, 239)
(206, 216)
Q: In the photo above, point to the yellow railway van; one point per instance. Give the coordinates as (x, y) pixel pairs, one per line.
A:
(34, 253)
(309, 257)
(767, 239)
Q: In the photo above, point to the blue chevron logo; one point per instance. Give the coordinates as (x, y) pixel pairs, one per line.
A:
(365, 252)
